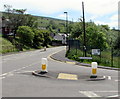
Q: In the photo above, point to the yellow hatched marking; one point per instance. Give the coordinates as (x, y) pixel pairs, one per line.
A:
(67, 76)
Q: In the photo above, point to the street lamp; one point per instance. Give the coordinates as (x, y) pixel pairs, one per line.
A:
(66, 22)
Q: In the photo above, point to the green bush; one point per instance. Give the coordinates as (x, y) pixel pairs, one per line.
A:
(38, 38)
(26, 35)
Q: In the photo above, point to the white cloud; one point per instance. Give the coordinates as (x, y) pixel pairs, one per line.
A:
(98, 7)
(111, 23)
(45, 6)
(61, 16)
(114, 18)
(101, 7)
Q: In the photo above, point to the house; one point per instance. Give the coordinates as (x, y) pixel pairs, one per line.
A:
(5, 26)
(61, 37)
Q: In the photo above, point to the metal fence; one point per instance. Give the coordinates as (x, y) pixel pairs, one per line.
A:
(105, 58)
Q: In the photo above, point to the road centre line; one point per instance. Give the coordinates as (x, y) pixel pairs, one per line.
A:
(19, 69)
(26, 66)
(16, 58)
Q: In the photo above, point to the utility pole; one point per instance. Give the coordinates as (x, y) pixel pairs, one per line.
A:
(84, 30)
(111, 53)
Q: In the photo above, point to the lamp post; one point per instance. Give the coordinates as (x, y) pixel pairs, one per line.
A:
(66, 25)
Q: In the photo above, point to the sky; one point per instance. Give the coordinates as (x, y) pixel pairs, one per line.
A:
(103, 12)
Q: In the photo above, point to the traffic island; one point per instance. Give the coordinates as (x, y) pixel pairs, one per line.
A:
(66, 76)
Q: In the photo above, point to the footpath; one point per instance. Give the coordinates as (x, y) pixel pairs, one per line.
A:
(60, 56)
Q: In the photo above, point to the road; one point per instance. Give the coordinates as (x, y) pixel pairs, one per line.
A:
(18, 81)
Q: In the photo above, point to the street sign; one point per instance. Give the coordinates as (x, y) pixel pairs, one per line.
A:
(95, 51)
(85, 57)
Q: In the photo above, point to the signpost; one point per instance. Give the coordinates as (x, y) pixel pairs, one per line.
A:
(95, 51)
(85, 57)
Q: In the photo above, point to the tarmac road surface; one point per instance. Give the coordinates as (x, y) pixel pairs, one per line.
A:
(69, 80)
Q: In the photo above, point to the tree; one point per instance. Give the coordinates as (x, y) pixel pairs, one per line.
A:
(117, 45)
(17, 17)
(94, 35)
(76, 29)
(47, 38)
(26, 35)
(38, 38)
(53, 24)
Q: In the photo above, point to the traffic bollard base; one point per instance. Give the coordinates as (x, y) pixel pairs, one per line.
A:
(43, 72)
(93, 76)
(98, 78)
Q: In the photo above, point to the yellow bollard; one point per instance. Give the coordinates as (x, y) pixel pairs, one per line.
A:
(94, 70)
(44, 64)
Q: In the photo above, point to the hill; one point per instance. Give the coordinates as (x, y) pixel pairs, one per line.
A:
(57, 25)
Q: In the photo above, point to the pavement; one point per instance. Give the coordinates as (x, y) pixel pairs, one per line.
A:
(60, 56)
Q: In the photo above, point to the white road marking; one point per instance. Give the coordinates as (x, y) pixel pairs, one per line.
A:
(24, 72)
(117, 80)
(107, 91)
(89, 94)
(22, 67)
(109, 77)
(3, 74)
(104, 76)
(114, 96)
(93, 93)
(2, 78)
(11, 72)
(16, 57)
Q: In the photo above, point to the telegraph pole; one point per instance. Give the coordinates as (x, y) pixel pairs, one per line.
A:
(84, 30)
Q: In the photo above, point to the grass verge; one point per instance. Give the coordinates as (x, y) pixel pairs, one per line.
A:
(104, 60)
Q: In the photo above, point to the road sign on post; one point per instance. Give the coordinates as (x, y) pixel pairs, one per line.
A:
(95, 51)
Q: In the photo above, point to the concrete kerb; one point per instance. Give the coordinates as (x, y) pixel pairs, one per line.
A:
(97, 78)
(47, 75)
